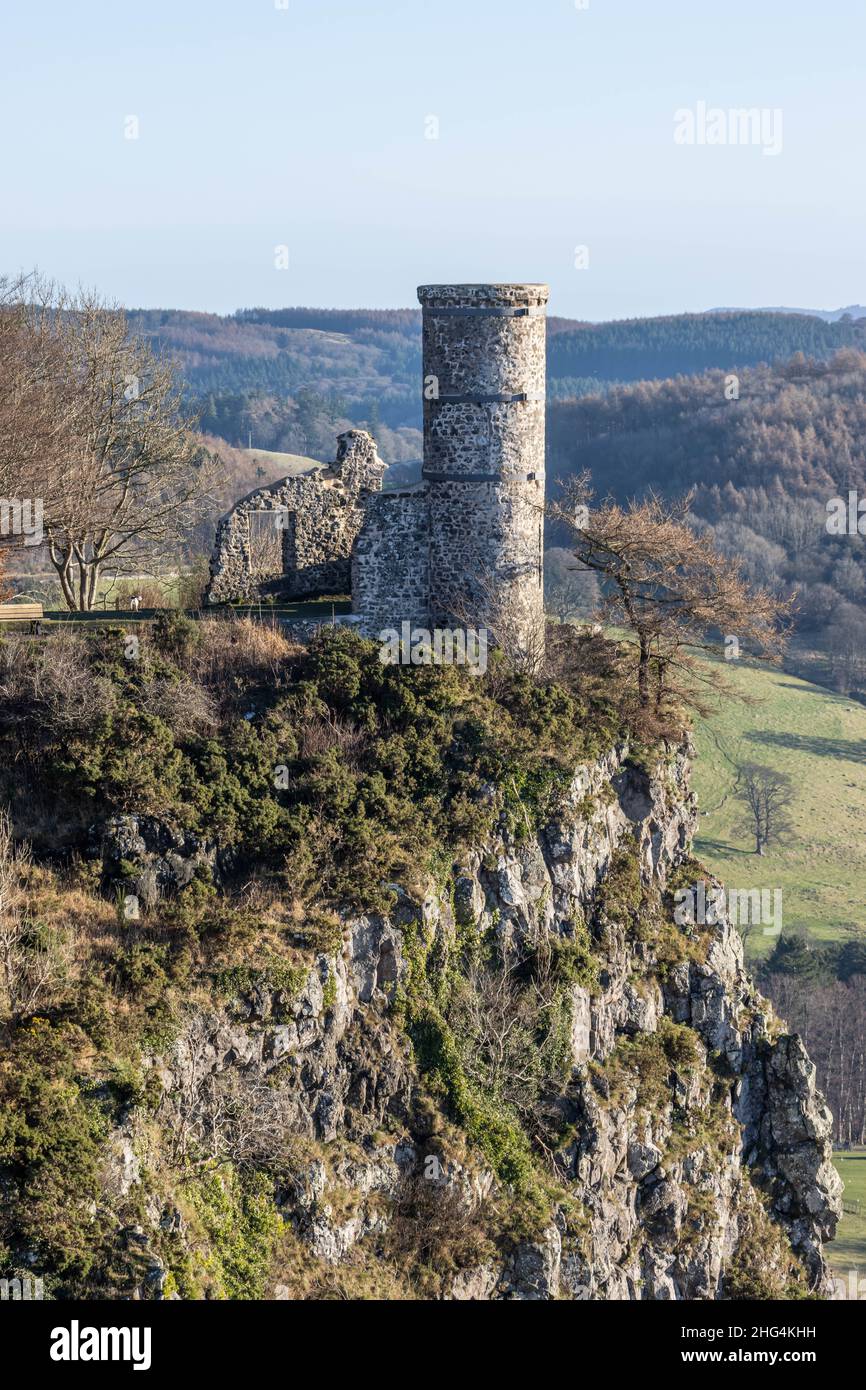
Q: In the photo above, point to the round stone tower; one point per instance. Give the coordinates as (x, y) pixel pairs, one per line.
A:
(484, 370)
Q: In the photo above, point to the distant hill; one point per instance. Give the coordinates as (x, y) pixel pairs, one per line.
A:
(684, 344)
(290, 379)
(356, 363)
(763, 466)
(799, 425)
(853, 311)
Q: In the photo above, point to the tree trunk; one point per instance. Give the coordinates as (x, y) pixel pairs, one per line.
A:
(93, 584)
(62, 564)
(643, 677)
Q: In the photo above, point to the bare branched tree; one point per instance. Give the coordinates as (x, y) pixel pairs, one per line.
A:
(48, 688)
(569, 592)
(666, 585)
(437, 1225)
(487, 602)
(91, 423)
(507, 1016)
(767, 796)
(831, 1016)
(228, 1116)
(34, 421)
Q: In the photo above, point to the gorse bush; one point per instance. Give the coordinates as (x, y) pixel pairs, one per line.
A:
(322, 755)
(237, 1215)
(51, 1131)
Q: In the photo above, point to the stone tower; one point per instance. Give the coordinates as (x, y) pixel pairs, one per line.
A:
(484, 375)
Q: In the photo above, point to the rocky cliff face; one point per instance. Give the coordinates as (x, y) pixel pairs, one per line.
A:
(684, 1151)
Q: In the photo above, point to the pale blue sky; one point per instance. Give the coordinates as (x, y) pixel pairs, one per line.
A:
(305, 126)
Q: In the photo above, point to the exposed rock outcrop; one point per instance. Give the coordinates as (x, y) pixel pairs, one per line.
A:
(145, 860)
(694, 1151)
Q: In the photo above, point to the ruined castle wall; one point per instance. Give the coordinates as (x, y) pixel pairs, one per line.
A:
(484, 383)
(295, 537)
(317, 541)
(390, 572)
(465, 547)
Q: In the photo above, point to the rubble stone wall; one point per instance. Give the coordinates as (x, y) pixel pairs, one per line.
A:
(315, 518)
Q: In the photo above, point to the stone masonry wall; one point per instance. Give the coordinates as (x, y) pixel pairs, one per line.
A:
(467, 550)
(390, 572)
(315, 519)
(484, 374)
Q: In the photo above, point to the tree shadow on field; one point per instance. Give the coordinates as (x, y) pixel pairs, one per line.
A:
(805, 687)
(721, 847)
(847, 750)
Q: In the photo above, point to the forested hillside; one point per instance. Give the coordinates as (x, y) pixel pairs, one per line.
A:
(290, 379)
(764, 467)
(644, 349)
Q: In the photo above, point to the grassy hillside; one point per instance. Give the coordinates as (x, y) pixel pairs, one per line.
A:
(848, 1250)
(819, 740)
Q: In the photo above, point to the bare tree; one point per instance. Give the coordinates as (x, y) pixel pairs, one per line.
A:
(228, 1116)
(499, 606)
(121, 474)
(569, 591)
(29, 419)
(48, 689)
(670, 589)
(831, 1016)
(438, 1224)
(506, 1015)
(34, 420)
(767, 795)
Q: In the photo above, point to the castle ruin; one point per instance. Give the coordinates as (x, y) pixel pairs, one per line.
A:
(462, 548)
(295, 537)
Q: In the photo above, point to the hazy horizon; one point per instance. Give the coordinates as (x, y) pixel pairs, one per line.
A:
(373, 308)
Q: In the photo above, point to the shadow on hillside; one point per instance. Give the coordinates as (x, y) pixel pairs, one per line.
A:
(812, 687)
(846, 749)
(804, 686)
(721, 847)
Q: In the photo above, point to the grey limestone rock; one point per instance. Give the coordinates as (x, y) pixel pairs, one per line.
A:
(666, 1169)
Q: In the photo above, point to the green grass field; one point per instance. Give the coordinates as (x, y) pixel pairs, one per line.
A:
(819, 739)
(848, 1250)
